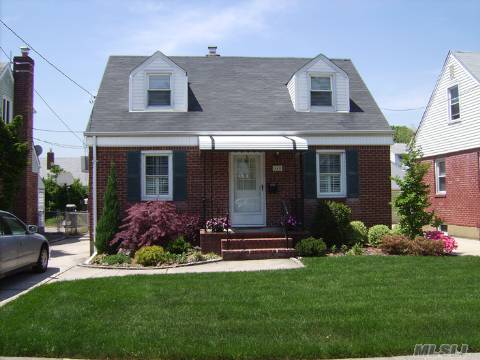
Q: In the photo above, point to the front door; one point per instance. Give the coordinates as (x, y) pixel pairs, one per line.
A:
(247, 196)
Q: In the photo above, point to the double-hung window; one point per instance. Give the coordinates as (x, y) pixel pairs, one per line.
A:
(454, 103)
(157, 175)
(440, 177)
(159, 92)
(6, 110)
(331, 174)
(321, 93)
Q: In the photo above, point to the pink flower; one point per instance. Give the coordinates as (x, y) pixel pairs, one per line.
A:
(449, 243)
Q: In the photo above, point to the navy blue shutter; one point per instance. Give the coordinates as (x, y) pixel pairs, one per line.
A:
(353, 187)
(310, 174)
(179, 175)
(134, 187)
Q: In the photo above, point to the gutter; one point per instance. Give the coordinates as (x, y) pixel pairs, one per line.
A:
(236, 133)
(94, 192)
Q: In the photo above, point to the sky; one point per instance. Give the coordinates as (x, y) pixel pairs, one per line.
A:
(397, 46)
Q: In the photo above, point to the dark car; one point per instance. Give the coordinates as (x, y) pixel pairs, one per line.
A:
(20, 246)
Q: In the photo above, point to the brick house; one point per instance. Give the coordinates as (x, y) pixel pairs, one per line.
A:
(16, 95)
(449, 136)
(243, 136)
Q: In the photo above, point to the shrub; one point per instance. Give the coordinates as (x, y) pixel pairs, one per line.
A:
(150, 255)
(376, 233)
(219, 224)
(311, 247)
(178, 246)
(449, 243)
(116, 259)
(356, 249)
(421, 246)
(358, 232)
(109, 222)
(152, 223)
(331, 222)
(395, 244)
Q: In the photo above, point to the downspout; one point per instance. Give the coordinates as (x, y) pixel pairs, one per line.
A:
(94, 192)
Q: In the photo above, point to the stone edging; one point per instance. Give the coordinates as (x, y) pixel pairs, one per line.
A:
(112, 267)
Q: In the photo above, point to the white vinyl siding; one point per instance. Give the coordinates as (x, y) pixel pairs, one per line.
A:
(440, 177)
(292, 91)
(331, 174)
(6, 93)
(340, 83)
(139, 83)
(437, 134)
(157, 177)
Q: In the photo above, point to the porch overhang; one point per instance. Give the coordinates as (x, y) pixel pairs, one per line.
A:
(257, 142)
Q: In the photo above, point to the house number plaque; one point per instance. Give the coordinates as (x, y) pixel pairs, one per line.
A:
(277, 168)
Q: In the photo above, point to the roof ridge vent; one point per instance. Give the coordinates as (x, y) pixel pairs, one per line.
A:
(212, 51)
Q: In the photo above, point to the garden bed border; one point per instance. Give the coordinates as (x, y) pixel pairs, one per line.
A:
(87, 264)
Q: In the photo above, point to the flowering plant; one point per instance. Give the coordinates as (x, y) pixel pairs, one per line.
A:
(217, 224)
(289, 221)
(449, 243)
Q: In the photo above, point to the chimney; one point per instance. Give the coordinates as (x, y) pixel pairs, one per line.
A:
(50, 159)
(212, 51)
(26, 202)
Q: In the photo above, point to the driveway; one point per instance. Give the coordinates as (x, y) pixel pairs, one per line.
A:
(467, 247)
(64, 255)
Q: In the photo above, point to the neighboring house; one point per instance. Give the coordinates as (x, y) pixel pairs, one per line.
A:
(240, 136)
(71, 165)
(397, 151)
(16, 96)
(449, 136)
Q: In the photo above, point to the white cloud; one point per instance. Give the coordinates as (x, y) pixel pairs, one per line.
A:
(173, 29)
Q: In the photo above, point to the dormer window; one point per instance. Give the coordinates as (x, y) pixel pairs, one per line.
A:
(159, 91)
(321, 93)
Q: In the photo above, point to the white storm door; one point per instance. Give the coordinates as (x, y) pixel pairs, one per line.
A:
(247, 197)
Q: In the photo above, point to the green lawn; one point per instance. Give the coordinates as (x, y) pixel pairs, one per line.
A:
(335, 307)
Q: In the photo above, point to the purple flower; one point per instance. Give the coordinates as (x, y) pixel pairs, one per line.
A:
(219, 224)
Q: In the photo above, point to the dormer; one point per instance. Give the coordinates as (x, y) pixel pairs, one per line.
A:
(320, 86)
(158, 84)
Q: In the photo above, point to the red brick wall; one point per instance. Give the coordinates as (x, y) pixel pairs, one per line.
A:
(26, 202)
(461, 204)
(372, 206)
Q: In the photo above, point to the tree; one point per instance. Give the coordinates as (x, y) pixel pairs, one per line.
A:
(412, 202)
(109, 222)
(13, 161)
(402, 134)
(57, 197)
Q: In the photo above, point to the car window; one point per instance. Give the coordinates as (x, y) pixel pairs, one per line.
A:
(13, 226)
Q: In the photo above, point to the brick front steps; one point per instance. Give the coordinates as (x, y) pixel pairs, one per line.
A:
(241, 239)
(257, 248)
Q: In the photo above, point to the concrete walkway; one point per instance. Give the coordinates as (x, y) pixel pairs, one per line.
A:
(468, 247)
(80, 272)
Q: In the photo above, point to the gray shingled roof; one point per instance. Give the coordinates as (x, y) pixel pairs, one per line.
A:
(471, 61)
(231, 94)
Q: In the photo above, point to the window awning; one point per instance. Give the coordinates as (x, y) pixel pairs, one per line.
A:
(252, 143)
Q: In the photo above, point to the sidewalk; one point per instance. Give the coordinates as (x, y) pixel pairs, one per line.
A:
(468, 247)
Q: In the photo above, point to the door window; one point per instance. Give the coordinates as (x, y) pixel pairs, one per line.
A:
(247, 195)
(13, 226)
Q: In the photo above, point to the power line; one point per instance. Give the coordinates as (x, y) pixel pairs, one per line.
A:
(407, 109)
(67, 146)
(48, 61)
(59, 131)
(5, 53)
(58, 116)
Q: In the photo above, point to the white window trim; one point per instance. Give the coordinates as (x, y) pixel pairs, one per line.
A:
(437, 173)
(147, 87)
(314, 108)
(449, 102)
(169, 196)
(343, 174)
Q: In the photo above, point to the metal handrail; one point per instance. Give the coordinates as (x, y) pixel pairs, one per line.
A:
(285, 215)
